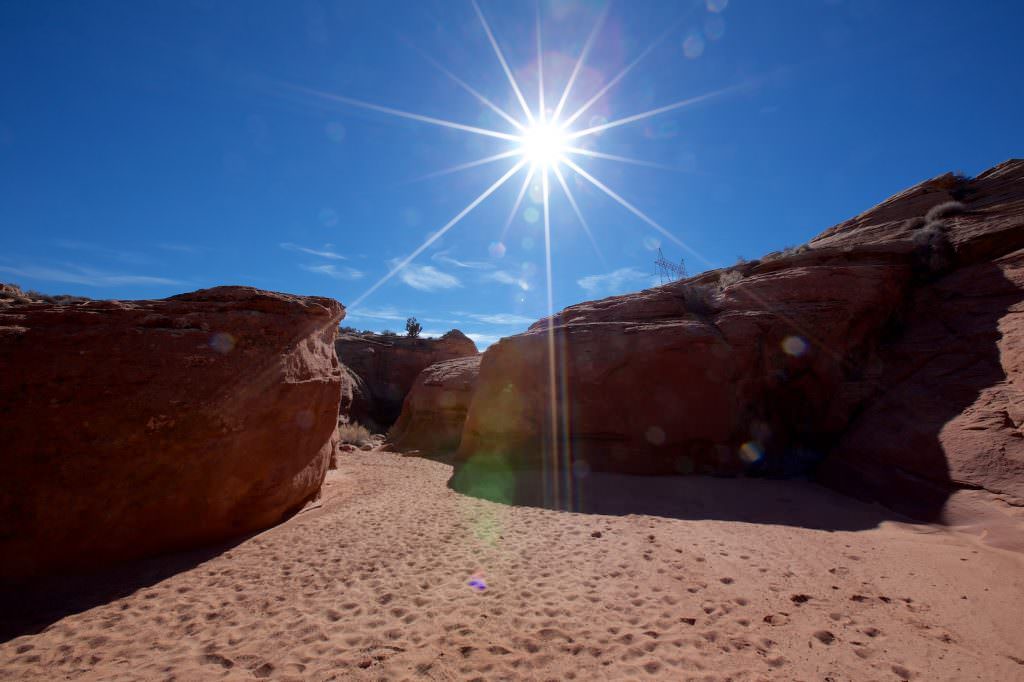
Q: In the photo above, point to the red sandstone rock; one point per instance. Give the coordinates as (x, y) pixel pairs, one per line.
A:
(389, 366)
(136, 427)
(435, 409)
(891, 347)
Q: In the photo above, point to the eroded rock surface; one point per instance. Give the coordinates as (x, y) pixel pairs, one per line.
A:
(389, 365)
(890, 348)
(435, 409)
(136, 427)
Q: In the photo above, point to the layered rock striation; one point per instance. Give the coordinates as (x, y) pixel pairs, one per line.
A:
(137, 427)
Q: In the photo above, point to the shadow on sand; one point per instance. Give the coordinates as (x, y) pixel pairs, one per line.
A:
(30, 607)
(748, 500)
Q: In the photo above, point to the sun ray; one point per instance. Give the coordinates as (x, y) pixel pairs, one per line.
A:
(634, 210)
(622, 74)
(504, 64)
(579, 62)
(579, 214)
(441, 232)
(471, 90)
(468, 165)
(653, 112)
(408, 114)
(541, 113)
(515, 206)
(615, 157)
(552, 376)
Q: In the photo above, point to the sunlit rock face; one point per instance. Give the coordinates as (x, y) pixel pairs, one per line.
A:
(435, 409)
(136, 427)
(887, 350)
(389, 365)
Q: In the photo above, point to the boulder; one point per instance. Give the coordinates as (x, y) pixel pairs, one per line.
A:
(884, 357)
(435, 409)
(389, 365)
(131, 428)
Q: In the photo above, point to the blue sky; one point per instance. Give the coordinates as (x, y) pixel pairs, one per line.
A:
(157, 147)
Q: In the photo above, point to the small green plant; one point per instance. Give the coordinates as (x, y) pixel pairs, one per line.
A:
(413, 328)
(389, 332)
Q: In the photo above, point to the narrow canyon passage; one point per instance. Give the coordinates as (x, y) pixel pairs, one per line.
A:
(374, 582)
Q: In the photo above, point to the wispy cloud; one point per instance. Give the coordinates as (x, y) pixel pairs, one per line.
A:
(614, 282)
(73, 274)
(446, 257)
(483, 340)
(180, 248)
(324, 252)
(505, 277)
(102, 251)
(499, 318)
(375, 314)
(426, 277)
(334, 271)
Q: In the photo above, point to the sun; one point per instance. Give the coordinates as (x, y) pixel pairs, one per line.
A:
(544, 144)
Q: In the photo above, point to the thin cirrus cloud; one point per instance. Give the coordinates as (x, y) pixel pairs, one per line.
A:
(324, 252)
(505, 277)
(375, 314)
(334, 271)
(499, 318)
(102, 251)
(614, 282)
(448, 259)
(482, 341)
(74, 274)
(426, 277)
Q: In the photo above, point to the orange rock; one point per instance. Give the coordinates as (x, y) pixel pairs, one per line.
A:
(136, 427)
(389, 365)
(889, 348)
(435, 409)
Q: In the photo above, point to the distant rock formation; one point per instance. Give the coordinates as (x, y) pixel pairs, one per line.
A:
(388, 365)
(887, 355)
(435, 409)
(132, 428)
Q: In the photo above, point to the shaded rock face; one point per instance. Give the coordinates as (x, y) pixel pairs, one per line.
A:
(389, 365)
(890, 349)
(435, 409)
(136, 427)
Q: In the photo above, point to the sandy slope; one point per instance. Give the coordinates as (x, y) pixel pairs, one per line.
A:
(373, 584)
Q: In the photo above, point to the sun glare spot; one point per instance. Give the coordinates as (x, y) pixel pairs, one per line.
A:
(543, 144)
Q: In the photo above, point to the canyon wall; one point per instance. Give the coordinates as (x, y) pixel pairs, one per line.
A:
(883, 357)
(137, 427)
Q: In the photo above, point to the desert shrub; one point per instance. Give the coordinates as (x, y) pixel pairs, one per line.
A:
(348, 330)
(943, 210)
(413, 327)
(353, 433)
(728, 277)
(389, 332)
(914, 223)
(698, 299)
(935, 252)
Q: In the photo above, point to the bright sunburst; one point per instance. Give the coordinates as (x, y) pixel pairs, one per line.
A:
(543, 143)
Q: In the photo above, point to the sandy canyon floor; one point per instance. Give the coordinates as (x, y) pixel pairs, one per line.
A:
(373, 583)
